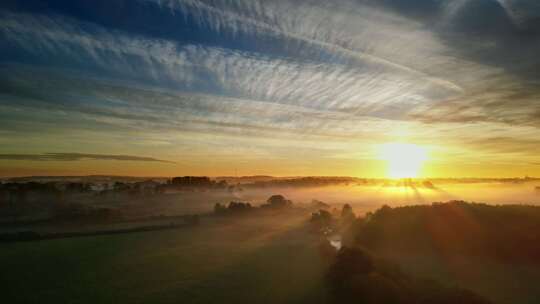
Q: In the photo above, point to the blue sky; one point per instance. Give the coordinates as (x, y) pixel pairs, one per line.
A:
(267, 87)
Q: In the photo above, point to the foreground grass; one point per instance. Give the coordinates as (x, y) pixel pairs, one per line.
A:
(264, 260)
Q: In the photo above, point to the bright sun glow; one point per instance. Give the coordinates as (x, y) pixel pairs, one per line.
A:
(404, 160)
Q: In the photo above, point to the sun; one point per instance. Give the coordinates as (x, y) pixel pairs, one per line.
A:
(403, 160)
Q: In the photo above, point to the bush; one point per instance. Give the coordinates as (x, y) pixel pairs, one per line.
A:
(278, 202)
(233, 208)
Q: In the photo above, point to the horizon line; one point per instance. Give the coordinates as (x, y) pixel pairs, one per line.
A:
(269, 176)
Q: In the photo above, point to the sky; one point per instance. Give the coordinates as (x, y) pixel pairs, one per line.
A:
(261, 87)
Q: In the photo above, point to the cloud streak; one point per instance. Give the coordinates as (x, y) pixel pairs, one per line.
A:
(79, 157)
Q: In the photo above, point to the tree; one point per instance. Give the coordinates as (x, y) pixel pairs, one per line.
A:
(347, 212)
(278, 201)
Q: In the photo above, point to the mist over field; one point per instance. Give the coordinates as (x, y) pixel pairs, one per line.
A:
(197, 234)
(364, 198)
(43, 197)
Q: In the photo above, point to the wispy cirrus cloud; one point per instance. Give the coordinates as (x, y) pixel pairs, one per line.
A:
(128, 108)
(230, 72)
(311, 74)
(508, 103)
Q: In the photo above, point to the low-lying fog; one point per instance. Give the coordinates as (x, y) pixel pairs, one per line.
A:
(366, 198)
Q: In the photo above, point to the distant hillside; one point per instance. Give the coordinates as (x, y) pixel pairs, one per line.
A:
(258, 180)
(233, 180)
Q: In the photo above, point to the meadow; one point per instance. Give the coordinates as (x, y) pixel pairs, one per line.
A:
(224, 260)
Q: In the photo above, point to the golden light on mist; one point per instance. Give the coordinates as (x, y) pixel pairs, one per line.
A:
(403, 160)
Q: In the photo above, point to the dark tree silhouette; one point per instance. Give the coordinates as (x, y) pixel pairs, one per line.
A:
(347, 213)
(233, 208)
(357, 276)
(278, 201)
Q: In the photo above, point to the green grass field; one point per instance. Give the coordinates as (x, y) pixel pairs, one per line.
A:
(258, 260)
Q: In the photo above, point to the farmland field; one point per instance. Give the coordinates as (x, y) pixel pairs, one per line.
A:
(260, 260)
